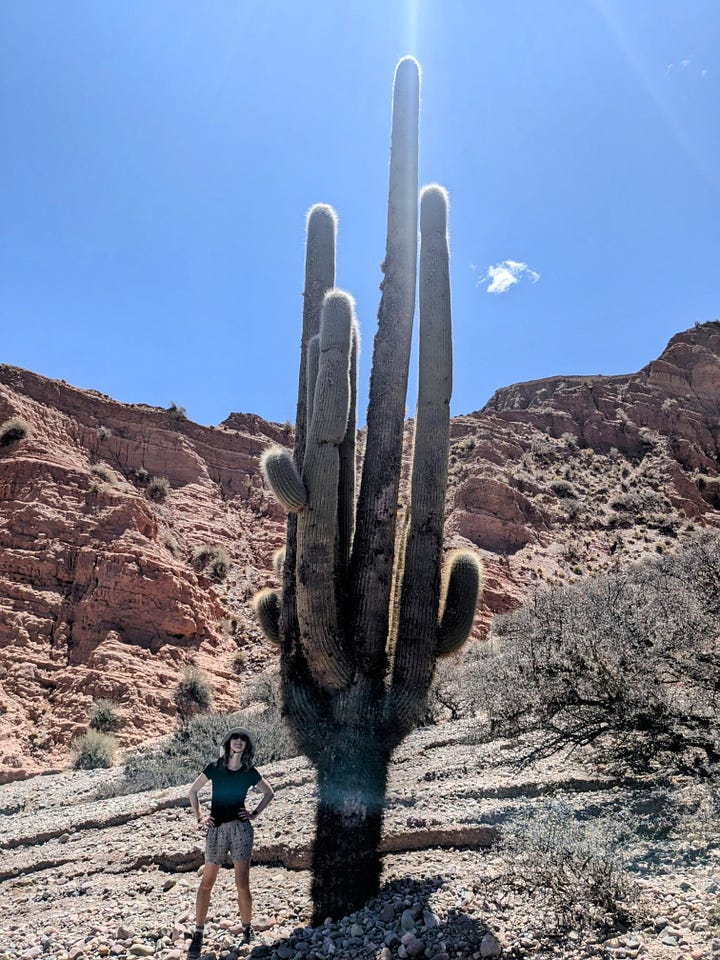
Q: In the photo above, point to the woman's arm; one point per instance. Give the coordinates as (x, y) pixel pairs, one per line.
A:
(195, 802)
(267, 794)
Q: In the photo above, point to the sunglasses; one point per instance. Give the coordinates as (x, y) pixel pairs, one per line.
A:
(239, 736)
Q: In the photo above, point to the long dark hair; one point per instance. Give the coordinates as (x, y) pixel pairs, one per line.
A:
(246, 760)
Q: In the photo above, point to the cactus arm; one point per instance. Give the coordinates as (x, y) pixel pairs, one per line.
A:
(420, 591)
(320, 631)
(278, 560)
(282, 475)
(374, 544)
(464, 583)
(266, 605)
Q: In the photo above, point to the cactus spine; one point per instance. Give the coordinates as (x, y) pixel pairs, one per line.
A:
(360, 628)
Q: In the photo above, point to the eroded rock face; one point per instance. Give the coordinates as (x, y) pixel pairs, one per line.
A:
(99, 594)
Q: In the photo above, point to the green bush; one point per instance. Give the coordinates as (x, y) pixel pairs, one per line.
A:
(104, 716)
(93, 749)
(193, 693)
(158, 489)
(13, 430)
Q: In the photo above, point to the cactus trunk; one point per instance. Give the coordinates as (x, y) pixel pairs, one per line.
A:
(346, 864)
(363, 618)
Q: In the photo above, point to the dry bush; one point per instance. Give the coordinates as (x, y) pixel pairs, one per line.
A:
(193, 694)
(213, 559)
(627, 662)
(92, 750)
(104, 716)
(576, 868)
(13, 430)
(158, 489)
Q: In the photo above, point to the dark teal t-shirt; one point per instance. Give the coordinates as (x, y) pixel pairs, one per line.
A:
(229, 789)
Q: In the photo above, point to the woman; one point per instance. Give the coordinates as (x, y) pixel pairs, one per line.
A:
(229, 827)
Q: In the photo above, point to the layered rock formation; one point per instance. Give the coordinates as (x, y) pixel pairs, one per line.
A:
(111, 580)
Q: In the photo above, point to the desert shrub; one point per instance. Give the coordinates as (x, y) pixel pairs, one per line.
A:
(627, 662)
(239, 661)
(178, 412)
(13, 430)
(213, 560)
(457, 688)
(104, 472)
(181, 758)
(193, 694)
(563, 488)
(577, 868)
(172, 543)
(103, 433)
(158, 489)
(93, 749)
(104, 716)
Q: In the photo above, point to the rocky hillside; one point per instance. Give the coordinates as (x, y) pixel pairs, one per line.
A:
(133, 539)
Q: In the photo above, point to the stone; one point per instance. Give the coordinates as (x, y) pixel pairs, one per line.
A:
(489, 946)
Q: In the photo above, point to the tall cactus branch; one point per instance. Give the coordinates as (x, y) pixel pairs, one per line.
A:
(420, 591)
(374, 549)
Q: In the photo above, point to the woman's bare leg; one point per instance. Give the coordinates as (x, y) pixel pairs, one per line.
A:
(205, 889)
(242, 882)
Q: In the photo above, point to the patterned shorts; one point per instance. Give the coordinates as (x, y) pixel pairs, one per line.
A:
(234, 838)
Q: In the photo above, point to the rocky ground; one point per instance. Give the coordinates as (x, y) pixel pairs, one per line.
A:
(89, 872)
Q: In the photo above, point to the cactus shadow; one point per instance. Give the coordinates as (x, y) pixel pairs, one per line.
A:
(459, 933)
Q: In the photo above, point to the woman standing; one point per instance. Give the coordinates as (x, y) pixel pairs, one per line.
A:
(229, 827)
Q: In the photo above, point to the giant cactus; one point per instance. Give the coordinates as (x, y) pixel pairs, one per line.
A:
(363, 614)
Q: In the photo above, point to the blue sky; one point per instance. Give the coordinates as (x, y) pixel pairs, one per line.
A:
(158, 158)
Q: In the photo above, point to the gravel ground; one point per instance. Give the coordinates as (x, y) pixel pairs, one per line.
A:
(83, 877)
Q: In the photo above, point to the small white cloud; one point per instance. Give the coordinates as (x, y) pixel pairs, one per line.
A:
(501, 276)
(670, 67)
(685, 63)
(703, 73)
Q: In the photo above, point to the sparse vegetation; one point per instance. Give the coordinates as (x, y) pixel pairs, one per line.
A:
(576, 868)
(193, 693)
(158, 489)
(563, 488)
(212, 559)
(182, 756)
(172, 543)
(92, 750)
(105, 473)
(13, 430)
(104, 716)
(626, 662)
(239, 661)
(178, 412)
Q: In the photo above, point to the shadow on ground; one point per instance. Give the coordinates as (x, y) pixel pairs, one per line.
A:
(457, 935)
